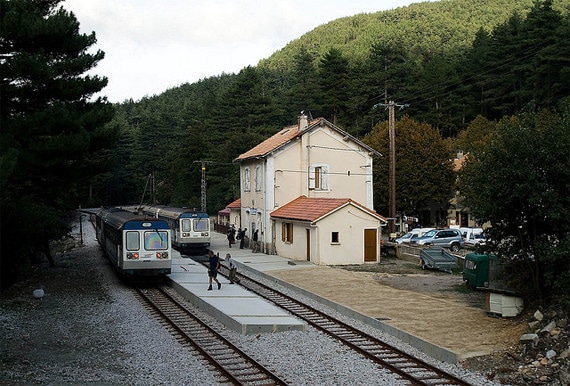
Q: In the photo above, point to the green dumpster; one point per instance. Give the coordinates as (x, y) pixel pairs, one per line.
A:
(476, 269)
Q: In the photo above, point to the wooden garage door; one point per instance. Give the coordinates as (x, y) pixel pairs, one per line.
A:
(370, 247)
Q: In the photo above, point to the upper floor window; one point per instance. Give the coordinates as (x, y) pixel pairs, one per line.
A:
(258, 182)
(246, 179)
(319, 177)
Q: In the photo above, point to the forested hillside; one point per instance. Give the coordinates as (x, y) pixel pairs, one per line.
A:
(450, 61)
(445, 26)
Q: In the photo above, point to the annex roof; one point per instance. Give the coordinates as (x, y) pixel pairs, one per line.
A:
(304, 208)
(234, 204)
(289, 133)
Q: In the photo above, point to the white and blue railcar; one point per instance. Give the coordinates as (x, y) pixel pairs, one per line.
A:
(135, 244)
(190, 228)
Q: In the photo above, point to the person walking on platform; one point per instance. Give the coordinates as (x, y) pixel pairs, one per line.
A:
(214, 261)
(233, 269)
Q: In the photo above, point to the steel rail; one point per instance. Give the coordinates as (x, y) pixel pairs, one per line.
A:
(231, 362)
(401, 363)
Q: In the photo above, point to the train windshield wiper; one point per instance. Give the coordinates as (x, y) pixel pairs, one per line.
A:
(159, 236)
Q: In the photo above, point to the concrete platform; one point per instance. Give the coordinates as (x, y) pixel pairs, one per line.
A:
(388, 309)
(232, 305)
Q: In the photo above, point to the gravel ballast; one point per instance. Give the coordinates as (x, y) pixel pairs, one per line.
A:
(90, 329)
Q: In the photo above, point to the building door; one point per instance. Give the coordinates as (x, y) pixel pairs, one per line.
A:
(370, 244)
(308, 233)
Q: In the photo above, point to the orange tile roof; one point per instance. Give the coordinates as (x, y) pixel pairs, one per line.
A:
(271, 143)
(290, 132)
(235, 204)
(311, 209)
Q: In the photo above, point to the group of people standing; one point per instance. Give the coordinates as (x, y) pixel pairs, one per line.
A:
(241, 236)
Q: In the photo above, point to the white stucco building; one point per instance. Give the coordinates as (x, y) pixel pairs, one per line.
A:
(315, 160)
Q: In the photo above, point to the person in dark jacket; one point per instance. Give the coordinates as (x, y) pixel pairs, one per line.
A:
(214, 261)
(255, 239)
(231, 236)
(241, 238)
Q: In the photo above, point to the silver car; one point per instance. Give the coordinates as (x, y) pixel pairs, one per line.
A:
(407, 238)
(412, 235)
(447, 238)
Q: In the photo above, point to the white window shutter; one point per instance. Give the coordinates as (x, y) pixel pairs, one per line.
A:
(258, 178)
(311, 177)
(324, 177)
(247, 181)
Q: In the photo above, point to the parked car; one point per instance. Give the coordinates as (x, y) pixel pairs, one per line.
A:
(406, 238)
(465, 231)
(472, 239)
(447, 238)
(413, 234)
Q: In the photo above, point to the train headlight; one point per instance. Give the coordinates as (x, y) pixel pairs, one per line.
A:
(136, 255)
(184, 234)
(132, 255)
(205, 234)
(163, 255)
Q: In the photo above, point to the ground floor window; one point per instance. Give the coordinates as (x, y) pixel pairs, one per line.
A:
(287, 232)
(334, 238)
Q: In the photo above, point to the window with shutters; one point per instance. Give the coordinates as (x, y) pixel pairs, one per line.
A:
(319, 177)
(287, 232)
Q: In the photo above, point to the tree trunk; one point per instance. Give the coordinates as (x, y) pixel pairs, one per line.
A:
(47, 251)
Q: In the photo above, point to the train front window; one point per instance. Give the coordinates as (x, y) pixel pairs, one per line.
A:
(201, 225)
(186, 227)
(133, 241)
(155, 240)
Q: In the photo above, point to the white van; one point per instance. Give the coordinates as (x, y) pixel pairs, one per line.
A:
(472, 236)
(465, 231)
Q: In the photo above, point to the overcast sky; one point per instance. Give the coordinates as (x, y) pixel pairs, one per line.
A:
(153, 45)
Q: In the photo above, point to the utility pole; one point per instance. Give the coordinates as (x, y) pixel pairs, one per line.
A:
(392, 162)
(392, 167)
(203, 185)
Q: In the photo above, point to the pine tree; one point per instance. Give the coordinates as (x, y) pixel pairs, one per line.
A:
(52, 128)
(334, 77)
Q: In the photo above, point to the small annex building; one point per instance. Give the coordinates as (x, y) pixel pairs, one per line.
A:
(231, 214)
(234, 213)
(327, 231)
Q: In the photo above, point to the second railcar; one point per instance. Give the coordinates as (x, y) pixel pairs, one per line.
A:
(136, 245)
(190, 229)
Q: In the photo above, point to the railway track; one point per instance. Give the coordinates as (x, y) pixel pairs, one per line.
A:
(406, 366)
(232, 365)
